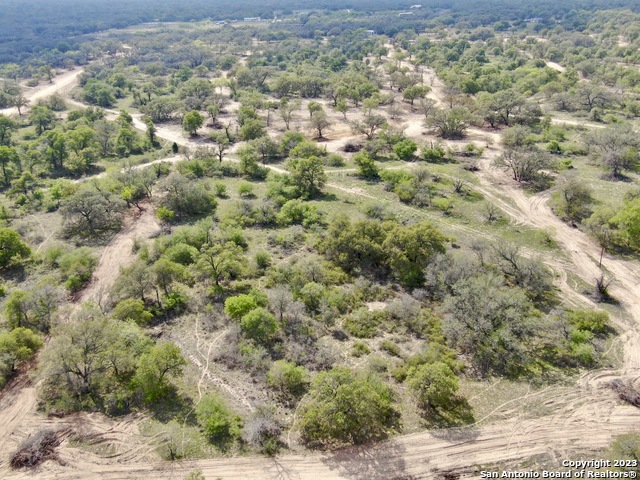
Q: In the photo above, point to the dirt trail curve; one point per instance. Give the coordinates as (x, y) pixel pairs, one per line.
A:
(60, 84)
(584, 417)
(416, 456)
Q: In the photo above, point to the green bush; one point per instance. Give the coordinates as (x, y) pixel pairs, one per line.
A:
(348, 407)
(290, 380)
(76, 267)
(299, 212)
(220, 189)
(435, 154)
(181, 253)
(132, 309)
(590, 320)
(245, 189)
(435, 385)
(259, 325)
(335, 160)
(360, 349)
(165, 214)
(238, 306)
(12, 248)
(363, 324)
(390, 347)
(218, 421)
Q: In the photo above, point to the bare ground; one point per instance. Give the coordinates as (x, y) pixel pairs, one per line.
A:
(63, 83)
(119, 254)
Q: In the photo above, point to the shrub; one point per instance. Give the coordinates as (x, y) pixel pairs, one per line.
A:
(181, 253)
(76, 267)
(390, 347)
(348, 407)
(165, 214)
(405, 149)
(220, 189)
(335, 160)
(360, 349)
(218, 421)
(245, 189)
(132, 309)
(590, 320)
(238, 306)
(435, 154)
(259, 325)
(363, 324)
(12, 248)
(290, 380)
(435, 385)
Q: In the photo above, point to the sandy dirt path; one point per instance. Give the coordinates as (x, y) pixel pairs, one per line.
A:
(62, 84)
(119, 254)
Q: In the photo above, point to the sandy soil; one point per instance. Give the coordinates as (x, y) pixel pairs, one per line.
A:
(63, 83)
(556, 66)
(119, 254)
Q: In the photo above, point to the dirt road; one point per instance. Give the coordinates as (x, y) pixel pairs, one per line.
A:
(61, 84)
(119, 254)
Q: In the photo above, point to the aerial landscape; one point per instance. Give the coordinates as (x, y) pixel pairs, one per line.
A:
(319, 240)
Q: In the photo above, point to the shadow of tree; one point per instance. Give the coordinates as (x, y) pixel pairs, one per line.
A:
(278, 471)
(384, 461)
(459, 414)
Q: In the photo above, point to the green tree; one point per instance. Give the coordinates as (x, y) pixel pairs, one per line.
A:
(319, 121)
(239, 305)
(290, 380)
(307, 175)
(628, 222)
(355, 247)
(435, 386)
(615, 148)
(415, 92)
(405, 149)
(572, 199)
(186, 197)
(218, 422)
(369, 125)
(342, 107)
(221, 261)
(89, 363)
(314, 107)
(151, 131)
(7, 126)
(450, 123)
(155, 369)
(251, 129)
(16, 347)
(221, 142)
(410, 249)
(90, 212)
(166, 272)
(524, 163)
(12, 248)
(132, 309)
(42, 117)
(192, 122)
(492, 323)
(259, 325)
(19, 101)
(367, 167)
(347, 407)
